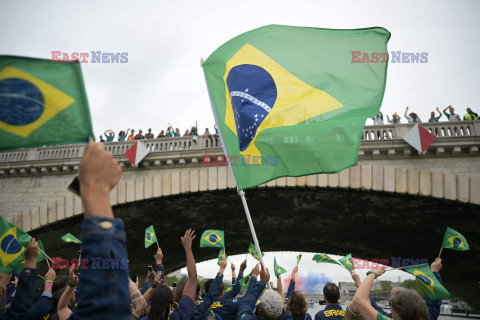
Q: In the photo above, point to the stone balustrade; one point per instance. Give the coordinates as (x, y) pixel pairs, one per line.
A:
(386, 141)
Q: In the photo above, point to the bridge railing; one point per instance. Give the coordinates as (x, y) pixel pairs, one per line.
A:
(443, 130)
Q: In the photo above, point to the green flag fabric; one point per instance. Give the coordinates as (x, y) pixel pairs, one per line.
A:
(40, 256)
(228, 287)
(454, 240)
(221, 256)
(150, 236)
(253, 250)
(70, 238)
(347, 262)
(299, 257)
(42, 103)
(278, 270)
(430, 284)
(212, 238)
(245, 282)
(323, 258)
(293, 101)
(13, 242)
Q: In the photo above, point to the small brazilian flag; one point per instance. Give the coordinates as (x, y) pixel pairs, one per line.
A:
(323, 258)
(454, 240)
(278, 270)
(245, 282)
(40, 256)
(228, 287)
(347, 262)
(70, 238)
(430, 284)
(13, 242)
(299, 257)
(212, 238)
(253, 250)
(42, 103)
(221, 256)
(293, 101)
(150, 236)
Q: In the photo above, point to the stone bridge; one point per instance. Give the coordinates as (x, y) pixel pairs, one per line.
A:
(33, 181)
(395, 203)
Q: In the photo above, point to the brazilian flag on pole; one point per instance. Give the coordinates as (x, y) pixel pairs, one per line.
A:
(278, 270)
(347, 262)
(299, 257)
(293, 101)
(150, 236)
(69, 238)
(245, 282)
(323, 258)
(253, 250)
(212, 238)
(40, 256)
(430, 284)
(42, 103)
(455, 240)
(13, 243)
(221, 256)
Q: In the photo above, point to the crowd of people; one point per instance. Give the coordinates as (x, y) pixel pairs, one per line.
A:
(169, 133)
(412, 117)
(109, 293)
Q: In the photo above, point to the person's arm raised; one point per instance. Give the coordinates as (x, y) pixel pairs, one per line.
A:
(291, 286)
(191, 285)
(62, 309)
(280, 288)
(361, 298)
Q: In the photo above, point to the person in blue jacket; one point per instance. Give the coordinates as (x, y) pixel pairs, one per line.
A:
(158, 267)
(44, 308)
(212, 289)
(333, 311)
(225, 305)
(272, 307)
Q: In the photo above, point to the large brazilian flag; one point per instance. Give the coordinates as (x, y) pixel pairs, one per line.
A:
(13, 243)
(289, 101)
(42, 103)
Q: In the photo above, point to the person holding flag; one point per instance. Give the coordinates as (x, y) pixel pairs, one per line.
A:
(291, 286)
(416, 308)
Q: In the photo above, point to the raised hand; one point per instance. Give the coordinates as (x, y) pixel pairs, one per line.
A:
(356, 278)
(264, 274)
(72, 277)
(50, 275)
(243, 266)
(187, 239)
(256, 270)
(379, 271)
(233, 267)
(31, 254)
(436, 265)
(159, 256)
(158, 279)
(223, 265)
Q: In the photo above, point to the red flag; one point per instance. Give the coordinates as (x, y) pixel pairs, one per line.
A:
(136, 153)
(419, 138)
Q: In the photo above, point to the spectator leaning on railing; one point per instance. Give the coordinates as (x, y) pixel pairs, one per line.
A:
(452, 116)
(432, 116)
(149, 135)
(395, 119)
(470, 115)
(378, 120)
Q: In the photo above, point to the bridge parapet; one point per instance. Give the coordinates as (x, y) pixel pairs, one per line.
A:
(454, 139)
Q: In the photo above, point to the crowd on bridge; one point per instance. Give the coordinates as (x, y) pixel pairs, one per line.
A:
(169, 133)
(412, 117)
(109, 292)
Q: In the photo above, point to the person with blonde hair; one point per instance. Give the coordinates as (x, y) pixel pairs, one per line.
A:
(352, 313)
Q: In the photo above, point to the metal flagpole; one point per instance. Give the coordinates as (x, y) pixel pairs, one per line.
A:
(240, 192)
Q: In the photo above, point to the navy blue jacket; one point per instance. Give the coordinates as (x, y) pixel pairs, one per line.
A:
(227, 307)
(200, 310)
(23, 299)
(331, 312)
(148, 284)
(42, 309)
(245, 311)
(291, 288)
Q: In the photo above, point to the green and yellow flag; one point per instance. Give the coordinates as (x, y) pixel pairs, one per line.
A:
(347, 262)
(212, 238)
(278, 270)
(228, 287)
(245, 282)
(40, 256)
(70, 238)
(323, 258)
(292, 101)
(150, 236)
(455, 240)
(42, 103)
(253, 250)
(13, 243)
(221, 256)
(430, 284)
(299, 257)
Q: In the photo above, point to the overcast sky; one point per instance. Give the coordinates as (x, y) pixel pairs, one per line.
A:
(163, 83)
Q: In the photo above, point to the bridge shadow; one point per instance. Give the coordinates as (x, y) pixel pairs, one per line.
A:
(336, 221)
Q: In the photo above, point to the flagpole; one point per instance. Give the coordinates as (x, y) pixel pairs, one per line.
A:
(252, 228)
(441, 248)
(240, 192)
(158, 246)
(45, 255)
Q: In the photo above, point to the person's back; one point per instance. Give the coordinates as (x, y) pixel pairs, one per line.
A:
(298, 306)
(333, 310)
